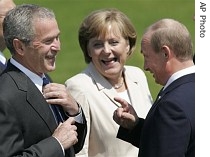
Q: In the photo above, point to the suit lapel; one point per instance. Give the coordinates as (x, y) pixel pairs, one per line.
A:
(101, 83)
(34, 96)
(39, 104)
(109, 91)
(182, 80)
(134, 96)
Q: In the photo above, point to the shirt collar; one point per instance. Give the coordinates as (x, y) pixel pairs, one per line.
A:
(36, 79)
(179, 74)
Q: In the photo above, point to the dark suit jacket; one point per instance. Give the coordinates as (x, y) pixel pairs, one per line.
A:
(1, 67)
(26, 121)
(169, 128)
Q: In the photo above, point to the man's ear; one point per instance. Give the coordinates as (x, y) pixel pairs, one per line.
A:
(19, 46)
(166, 52)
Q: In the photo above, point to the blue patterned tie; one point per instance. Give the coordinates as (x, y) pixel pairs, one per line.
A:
(55, 108)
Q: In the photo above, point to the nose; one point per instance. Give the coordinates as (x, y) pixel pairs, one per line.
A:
(56, 44)
(107, 48)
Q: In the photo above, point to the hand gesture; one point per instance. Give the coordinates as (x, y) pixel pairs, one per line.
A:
(125, 115)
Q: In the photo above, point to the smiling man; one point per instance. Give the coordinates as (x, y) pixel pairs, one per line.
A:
(29, 112)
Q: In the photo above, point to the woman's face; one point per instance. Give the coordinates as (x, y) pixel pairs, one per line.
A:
(109, 53)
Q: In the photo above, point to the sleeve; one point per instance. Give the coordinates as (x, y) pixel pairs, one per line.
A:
(131, 136)
(82, 131)
(80, 96)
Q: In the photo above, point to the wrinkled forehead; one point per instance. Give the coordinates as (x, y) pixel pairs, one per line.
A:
(145, 40)
(145, 43)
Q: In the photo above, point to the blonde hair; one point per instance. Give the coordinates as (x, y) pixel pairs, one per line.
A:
(96, 25)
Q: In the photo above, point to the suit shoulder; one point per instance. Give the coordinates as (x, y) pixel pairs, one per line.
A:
(134, 72)
(78, 79)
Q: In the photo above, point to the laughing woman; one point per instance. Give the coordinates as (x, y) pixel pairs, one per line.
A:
(107, 38)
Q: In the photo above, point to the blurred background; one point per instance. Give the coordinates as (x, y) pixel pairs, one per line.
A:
(142, 13)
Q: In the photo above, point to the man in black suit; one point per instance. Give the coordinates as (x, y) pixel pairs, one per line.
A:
(29, 112)
(169, 128)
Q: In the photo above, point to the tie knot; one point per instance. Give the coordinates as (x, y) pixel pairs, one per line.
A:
(45, 81)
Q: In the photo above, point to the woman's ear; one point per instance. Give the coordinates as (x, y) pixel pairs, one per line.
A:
(19, 46)
(128, 51)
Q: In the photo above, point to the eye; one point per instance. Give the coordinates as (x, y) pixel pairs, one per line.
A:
(51, 40)
(97, 44)
(113, 42)
(48, 41)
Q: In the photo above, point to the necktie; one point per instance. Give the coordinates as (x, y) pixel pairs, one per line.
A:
(55, 109)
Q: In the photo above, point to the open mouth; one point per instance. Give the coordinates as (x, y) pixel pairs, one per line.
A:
(110, 61)
(50, 57)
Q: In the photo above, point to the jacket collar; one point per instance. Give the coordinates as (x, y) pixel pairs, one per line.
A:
(104, 86)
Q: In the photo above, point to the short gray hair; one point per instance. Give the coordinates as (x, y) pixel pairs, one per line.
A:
(18, 23)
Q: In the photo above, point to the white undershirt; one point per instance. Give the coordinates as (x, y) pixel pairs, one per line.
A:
(125, 96)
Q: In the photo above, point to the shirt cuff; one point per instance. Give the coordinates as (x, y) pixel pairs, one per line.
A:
(78, 117)
(60, 145)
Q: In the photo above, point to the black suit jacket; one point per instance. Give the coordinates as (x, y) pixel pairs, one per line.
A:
(169, 128)
(26, 121)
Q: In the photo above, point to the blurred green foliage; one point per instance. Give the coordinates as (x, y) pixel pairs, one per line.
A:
(142, 13)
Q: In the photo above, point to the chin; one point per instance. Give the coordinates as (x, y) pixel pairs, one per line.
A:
(51, 68)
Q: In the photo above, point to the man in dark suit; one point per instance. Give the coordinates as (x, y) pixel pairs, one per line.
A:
(5, 6)
(36, 120)
(169, 127)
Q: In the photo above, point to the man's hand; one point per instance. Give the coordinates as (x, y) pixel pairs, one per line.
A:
(57, 94)
(66, 133)
(125, 115)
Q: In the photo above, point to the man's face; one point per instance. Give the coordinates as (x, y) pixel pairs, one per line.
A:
(154, 62)
(5, 6)
(40, 55)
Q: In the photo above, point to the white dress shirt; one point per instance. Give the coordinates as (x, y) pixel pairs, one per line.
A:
(179, 74)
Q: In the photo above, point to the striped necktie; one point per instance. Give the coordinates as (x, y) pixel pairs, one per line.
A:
(55, 108)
